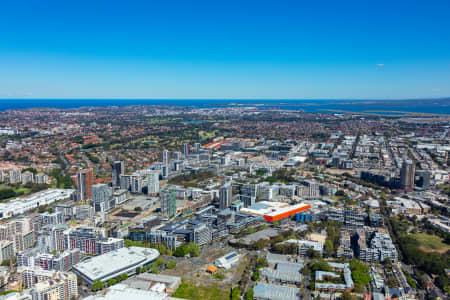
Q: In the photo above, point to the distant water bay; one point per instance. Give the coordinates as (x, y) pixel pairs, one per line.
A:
(431, 106)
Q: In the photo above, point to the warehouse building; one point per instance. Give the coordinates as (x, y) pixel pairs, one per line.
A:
(21, 205)
(284, 273)
(122, 291)
(227, 261)
(264, 291)
(114, 263)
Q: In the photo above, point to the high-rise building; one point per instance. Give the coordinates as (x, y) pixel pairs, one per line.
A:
(136, 183)
(41, 179)
(52, 218)
(49, 284)
(248, 194)
(61, 261)
(117, 170)
(90, 241)
(15, 176)
(107, 245)
(6, 250)
(165, 171)
(186, 149)
(225, 195)
(52, 238)
(165, 157)
(168, 201)
(264, 191)
(85, 179)
(102, 199)
(423, 179)
(313, 188)
(177, 155)
(27, 177)
(153, 182)
(407, 175)
(225, 160)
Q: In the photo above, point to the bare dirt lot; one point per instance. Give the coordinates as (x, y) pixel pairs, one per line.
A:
(194, 269)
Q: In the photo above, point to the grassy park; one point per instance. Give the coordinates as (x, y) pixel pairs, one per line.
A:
(193, 291)
(431, 243)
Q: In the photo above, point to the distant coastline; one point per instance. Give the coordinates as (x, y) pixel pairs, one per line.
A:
(416, 106)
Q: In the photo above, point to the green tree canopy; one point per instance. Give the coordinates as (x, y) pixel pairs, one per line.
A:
(97, 285)
(236, 293)
(171, 264)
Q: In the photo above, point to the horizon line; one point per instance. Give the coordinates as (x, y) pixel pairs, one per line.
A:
(230, 99)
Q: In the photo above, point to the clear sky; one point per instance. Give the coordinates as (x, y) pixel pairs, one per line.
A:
(225, 49)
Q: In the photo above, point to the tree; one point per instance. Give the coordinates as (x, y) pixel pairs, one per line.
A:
(328, 248)
(7, 193)
(285, 248)
(261, 172)
(387, 263)
(154, 269)
(249, 295)
(112, 282)
(358, 289)
(124, 276)
(194, 249)
(171, 264)
(347, 296)
(255, 276)
(159, 261)
(180, 251)
(32, 170)
(341, 193)
(190, 248)
(138, 270)
(97, 285)
(320, 265)
(262, 262)
(236, 294)
(138, 209)
(359, 272)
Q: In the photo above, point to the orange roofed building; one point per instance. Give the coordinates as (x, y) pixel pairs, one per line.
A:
(286, 212)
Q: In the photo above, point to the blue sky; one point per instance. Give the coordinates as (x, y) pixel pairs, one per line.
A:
(224, 49)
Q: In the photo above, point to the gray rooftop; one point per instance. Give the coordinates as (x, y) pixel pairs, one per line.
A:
(145, 280)
(275, 292)
(284, 272)
(112, 262)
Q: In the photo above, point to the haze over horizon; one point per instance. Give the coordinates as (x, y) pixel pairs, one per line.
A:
(233, 50)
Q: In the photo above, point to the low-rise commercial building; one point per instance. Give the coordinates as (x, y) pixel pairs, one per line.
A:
(19, 206)
(284, 273)
(265, 291)
(114, 263)
(122, 291)
(227, 261)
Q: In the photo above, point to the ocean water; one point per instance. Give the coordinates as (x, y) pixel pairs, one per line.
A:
(421, 106)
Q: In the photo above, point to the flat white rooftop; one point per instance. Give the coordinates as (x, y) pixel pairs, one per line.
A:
(289, 208)
(121, 291)
(115, 262)
(20, 205)
(263, 207)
